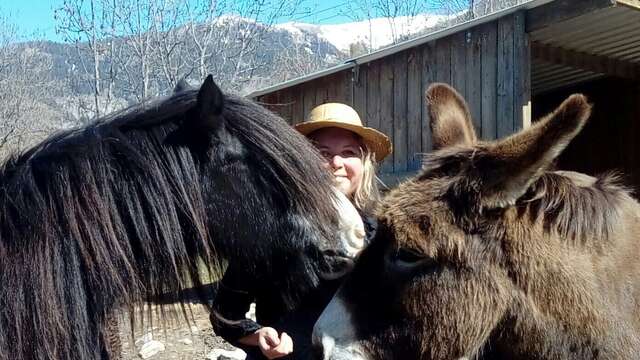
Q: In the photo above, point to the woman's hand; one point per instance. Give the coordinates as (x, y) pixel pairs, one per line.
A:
(271, 345)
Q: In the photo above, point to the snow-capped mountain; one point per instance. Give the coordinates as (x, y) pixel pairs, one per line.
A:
(373, 33)
(280, 52)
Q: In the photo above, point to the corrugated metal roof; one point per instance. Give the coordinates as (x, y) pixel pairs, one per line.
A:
(545, 77)
(612, 32)
(401, 46)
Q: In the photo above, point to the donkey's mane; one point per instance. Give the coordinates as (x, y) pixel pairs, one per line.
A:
(87, 209)
(576, 213)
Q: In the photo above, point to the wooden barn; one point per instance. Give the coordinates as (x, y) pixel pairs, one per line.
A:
(512, 66)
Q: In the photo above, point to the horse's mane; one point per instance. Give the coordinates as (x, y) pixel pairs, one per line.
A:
(75, 209)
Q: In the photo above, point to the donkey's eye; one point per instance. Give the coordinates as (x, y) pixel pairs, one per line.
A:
(408, 257)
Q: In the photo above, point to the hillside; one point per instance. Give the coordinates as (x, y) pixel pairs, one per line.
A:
(48, 85)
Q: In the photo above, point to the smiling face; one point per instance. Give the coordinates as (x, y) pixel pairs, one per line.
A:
(342, 150)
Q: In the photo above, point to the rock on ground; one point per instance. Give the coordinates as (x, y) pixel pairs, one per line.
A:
(221, 354)
(181, 340)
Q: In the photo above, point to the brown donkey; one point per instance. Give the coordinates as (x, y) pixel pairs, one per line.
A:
(489, 255)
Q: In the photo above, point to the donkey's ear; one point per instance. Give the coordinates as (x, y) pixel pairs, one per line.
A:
(210, 104)
(511, 165)
(450, 119)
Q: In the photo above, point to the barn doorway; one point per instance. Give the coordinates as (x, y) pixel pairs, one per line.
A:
(611, 139)
(596, 54)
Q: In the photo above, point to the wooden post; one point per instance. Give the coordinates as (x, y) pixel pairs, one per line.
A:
(297, 111)
(428, 77)
(386, 107)
(414, 108)
(372, 118)
(489, 64)
(522, 74)
(505, 86)
(359, 85)
(474, 76)
(400, 112)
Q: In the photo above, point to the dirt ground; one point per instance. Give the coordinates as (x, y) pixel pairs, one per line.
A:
(182, 340)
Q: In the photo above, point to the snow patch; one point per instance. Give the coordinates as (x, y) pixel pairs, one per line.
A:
(375, 33)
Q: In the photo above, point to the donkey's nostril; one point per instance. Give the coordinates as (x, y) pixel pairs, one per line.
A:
(320, 349)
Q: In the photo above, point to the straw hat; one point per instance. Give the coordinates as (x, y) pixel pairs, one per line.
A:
(344, 117)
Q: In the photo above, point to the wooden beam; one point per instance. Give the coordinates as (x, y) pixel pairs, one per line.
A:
(595, 63)
(560, 10)
(635, 4)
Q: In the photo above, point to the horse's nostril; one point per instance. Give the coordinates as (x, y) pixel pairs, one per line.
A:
(330, 253)
(336, 264)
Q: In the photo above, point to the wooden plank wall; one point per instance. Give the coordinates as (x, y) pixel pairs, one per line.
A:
(611, 139)
(488, 64)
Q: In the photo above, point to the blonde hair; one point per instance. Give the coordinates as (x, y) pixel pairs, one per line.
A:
(367, 192)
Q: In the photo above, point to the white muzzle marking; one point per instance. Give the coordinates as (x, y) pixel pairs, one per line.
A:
(335, 333)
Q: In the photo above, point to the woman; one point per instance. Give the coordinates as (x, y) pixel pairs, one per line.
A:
(351, 152)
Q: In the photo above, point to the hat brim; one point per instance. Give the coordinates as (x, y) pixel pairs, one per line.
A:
(377, 142)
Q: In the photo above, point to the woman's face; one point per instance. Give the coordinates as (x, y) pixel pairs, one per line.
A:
(343, 153)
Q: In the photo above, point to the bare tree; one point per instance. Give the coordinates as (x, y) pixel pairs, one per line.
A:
(474, 8)
(228, 36)
(169, 38)
(362, 10)
(25, 87)
(453, 7)
(400, 15)
(295, 59)
(146, 46)
(86, 24)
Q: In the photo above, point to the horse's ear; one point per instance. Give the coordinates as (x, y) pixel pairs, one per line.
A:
(210, 104)
(181, 86)
(510, 166)
(450, 119)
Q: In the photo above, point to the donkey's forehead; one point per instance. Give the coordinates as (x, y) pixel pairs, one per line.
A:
(418, 215)
(412, 199)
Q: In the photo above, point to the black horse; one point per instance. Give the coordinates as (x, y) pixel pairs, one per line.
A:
(124, 210)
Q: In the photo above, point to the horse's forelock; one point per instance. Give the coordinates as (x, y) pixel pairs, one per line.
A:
(295, 161)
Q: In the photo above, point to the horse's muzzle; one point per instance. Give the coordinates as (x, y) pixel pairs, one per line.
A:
(336, 264)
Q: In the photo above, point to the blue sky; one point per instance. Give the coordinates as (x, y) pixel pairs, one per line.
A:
(35, 17)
